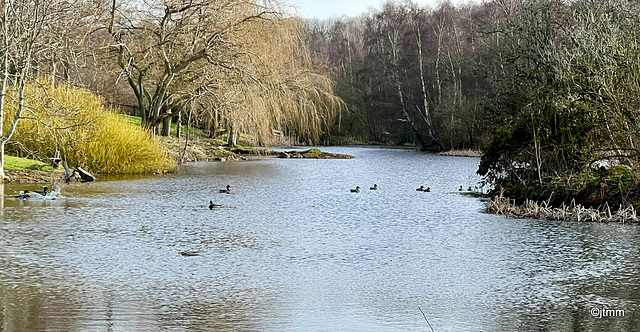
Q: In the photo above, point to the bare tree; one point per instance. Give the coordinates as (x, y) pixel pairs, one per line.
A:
(23, 27)
(155, 44)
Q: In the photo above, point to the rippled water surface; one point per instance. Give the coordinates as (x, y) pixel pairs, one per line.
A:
(294, 250)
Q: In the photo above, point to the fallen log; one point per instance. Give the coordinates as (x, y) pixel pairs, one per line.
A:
(85, 176)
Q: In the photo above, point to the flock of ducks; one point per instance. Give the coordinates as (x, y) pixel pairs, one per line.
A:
(422, 188)
(356, 190)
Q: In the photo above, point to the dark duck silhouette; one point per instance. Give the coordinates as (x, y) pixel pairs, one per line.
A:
(226, 191)
(375, 187)
(428, 190)
(357, 190)
(460, 189)
(43, 192)
(213, 206)
(420, 189)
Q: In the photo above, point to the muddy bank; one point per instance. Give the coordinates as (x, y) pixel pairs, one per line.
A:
(31, 176)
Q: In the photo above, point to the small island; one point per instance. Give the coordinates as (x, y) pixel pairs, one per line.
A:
(312, 154)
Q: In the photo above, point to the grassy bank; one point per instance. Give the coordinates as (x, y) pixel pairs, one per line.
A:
(16, 163)
(28, 170)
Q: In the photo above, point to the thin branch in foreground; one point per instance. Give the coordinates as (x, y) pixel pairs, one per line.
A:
(425, 318)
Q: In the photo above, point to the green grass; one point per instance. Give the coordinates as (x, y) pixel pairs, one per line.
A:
(136, 120)
(11, 162)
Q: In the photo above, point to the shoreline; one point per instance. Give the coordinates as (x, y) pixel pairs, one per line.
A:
(208, 150)
(32, 176)
(504, 206)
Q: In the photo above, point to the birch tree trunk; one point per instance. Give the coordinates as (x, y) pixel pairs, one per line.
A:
(4, 71)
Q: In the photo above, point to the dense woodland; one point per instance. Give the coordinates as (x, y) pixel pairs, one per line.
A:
(549, 89)
(410, 74)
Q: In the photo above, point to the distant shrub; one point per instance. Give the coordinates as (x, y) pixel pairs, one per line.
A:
(75, 122)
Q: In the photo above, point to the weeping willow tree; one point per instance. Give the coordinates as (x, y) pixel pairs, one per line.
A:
(240, 64)
(269, 89)
(282, 91)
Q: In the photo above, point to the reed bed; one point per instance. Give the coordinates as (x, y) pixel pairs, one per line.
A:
(572, 212)
(75, 123)
(462, 153)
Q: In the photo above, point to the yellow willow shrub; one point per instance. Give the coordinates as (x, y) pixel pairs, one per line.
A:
(75, 122)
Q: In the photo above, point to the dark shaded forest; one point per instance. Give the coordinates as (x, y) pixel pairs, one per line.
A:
(410, 74)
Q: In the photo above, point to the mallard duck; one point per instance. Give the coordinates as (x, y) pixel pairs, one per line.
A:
(420, 189)
(428, 190)
(43, 192)
(357, 190)
(226, 191)
(213, 206)
(469, 189)
(375, 187)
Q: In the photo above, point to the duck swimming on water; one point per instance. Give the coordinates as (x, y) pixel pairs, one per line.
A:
(420, 189)
(226, 191)
(375, 187)
(213, 206)
(357, 190)
(43, 192)
(23, 194)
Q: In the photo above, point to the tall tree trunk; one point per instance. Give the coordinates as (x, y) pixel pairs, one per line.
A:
(425, 97)
(166, 126)
(393, 40)
(179, 124)
(2, 174)
(3, 80)
(231, 137)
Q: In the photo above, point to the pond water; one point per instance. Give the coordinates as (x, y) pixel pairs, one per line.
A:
(294, 250)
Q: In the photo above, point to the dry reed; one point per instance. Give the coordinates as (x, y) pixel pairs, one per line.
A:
(572, 212)
(462, 153)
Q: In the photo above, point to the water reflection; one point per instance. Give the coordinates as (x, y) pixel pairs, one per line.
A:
(298, 252)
